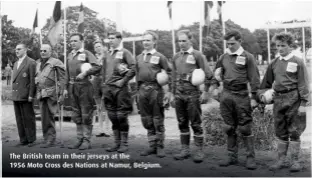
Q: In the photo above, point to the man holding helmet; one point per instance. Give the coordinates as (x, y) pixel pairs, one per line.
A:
(80, 65)
(150, 80)
(187, 96)
(288, 77)
(236, 68)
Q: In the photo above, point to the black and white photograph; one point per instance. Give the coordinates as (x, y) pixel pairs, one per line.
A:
(156, 88)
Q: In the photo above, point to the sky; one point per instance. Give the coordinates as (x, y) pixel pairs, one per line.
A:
(138, 16)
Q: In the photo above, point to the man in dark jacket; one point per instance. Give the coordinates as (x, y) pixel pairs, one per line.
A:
(23, 91)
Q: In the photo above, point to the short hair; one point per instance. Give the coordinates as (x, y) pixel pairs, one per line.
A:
(155, 36)
(98, 41)
(23, 43)
(233, 33)
(187, 33)
(117, 34)
(77, 34)
(284, 37)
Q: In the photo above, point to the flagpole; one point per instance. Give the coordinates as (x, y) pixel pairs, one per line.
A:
(201, 25)
(223, 27)
(39, 25)
(64, 36)
(173, 36)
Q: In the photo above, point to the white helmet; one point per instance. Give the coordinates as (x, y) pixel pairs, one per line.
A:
(198, 77)
(85, 67)
(218, 74)
(267, 96)
(162, 78)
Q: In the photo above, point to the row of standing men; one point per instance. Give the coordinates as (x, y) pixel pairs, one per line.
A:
(237, 68)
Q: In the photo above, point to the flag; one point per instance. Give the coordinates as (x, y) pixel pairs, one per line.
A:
(55, 28)
(169, 5)
(35, 21)
(219, 10)
(80, 20)
(207, 26)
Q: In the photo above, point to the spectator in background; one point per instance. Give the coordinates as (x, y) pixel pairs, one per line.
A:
(101, 56)
(8, 73)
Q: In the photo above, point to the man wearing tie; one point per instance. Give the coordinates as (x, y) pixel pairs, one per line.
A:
(23, 91)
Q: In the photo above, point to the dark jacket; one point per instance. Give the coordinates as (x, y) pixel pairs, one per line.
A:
(24, 80)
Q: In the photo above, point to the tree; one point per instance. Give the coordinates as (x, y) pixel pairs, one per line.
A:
(11, 36)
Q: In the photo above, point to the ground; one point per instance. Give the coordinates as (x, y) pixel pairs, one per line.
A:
(186, 168)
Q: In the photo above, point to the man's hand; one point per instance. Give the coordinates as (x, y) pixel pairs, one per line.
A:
(253, 103)
(65, 94)
(120, 83)
(30, 99)
(204, 97)
(81, 76)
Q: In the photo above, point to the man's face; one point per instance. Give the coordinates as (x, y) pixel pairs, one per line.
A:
(184, 42)
(148, 42)
(45, 52)
(113, 41)
(75, 42)
(98, 48)
(283, 48)
(20, 50)
(233, 44)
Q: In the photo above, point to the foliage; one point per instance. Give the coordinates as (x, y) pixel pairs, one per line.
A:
(263, 129)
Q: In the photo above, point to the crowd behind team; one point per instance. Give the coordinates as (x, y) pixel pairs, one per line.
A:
(285, 84)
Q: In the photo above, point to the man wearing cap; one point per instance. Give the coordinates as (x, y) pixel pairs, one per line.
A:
(119, 69)
(50, 71)
(187, 97)
(236, 68)
(288, 76)
(80, 90)
(151, 94)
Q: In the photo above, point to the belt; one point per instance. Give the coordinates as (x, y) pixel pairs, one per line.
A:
(235, 87)
(73, 81)
(184, 77)
(285, 91)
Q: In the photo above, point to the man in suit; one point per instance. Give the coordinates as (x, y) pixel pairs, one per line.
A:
(23, 91)
(49, 71)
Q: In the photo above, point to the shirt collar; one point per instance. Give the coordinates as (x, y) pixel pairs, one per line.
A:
(189, 51)
(153, 51)
(238, 52)
(80, 51)
(286, 58)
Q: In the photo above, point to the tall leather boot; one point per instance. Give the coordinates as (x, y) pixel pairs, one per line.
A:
(185, 151)
(199, 154)
(232, 151)
(282, 147)
(79, 137)
(294, 151)
(117, 141)
(152, 146)
(87, 138)
(250, 163)
(124, 142)
(160, 144)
